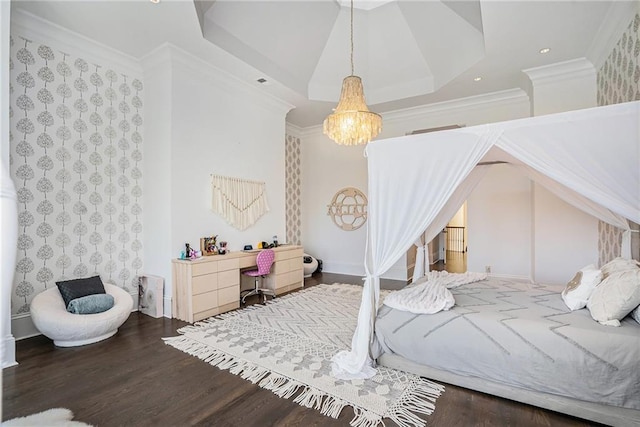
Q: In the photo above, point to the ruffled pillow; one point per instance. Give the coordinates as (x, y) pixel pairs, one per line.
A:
(617, 265)
(615, 297)
(580, 288)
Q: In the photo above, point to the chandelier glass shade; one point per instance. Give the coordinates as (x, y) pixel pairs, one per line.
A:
(351, 122)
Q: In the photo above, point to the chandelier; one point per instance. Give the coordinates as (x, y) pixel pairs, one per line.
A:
(351, 122)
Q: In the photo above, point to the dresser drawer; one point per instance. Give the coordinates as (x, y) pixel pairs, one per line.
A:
(295, 263)
(280, 267)
(281, 280)
(228, 264)
(200, 268)
(282, 255)
(206, 283)
(205, 301)
(248, 261)
(206, 314)
(229, 295)
(228, 278)
(296, 277)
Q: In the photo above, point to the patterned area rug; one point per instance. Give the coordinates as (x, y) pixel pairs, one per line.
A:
(286, 346)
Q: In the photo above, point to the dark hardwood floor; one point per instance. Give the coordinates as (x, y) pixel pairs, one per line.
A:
(134, 379)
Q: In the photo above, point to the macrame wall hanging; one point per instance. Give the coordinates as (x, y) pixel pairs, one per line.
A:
(239, 201)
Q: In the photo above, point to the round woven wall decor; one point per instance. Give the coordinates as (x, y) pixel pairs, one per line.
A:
(348, 209)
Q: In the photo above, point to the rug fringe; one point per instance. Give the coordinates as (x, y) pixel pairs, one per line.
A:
(419, 398)
(364, 418)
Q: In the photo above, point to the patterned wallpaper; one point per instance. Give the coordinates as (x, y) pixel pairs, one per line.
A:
(619, 81)
(76, 153)
(292, 190)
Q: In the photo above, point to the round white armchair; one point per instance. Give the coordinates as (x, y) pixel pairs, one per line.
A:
(70, 330)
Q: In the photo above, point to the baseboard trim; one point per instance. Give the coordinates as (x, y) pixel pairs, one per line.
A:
(22, 327)
(358, 270)
(9, 356)
(511, 277)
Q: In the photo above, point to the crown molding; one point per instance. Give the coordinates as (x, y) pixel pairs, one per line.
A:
(561, 71)
(158, 57)
(170, 53)
(35, 28)
(500, 98)
(615, 23)
(293, 130)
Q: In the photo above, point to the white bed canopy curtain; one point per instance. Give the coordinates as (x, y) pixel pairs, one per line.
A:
(594, 153)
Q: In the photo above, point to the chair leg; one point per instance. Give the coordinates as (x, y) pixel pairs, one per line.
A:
(266, 291)
(254, 291)
(248, 294)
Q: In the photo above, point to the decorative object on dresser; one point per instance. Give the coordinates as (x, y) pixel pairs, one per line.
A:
(211, 285)
(208, 245)
(239, 201)
(286, 346)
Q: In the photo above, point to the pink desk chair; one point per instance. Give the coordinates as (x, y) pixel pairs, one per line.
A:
(264, 261)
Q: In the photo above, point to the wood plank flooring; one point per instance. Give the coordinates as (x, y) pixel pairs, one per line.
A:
(134, 379)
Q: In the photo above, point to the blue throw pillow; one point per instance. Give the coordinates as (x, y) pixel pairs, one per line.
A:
(91, 304)
(72, 289)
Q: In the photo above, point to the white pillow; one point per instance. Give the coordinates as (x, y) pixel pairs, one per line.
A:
(580, 288)
(615, 297)
(635, 314)
(618, 264)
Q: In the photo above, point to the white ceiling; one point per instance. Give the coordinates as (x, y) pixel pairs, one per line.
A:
(408, 52)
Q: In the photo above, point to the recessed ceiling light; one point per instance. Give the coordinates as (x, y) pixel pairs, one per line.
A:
(545, 50)
(155, 1)
(477, 79)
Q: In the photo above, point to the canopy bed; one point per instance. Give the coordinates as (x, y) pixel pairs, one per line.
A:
(590, 158)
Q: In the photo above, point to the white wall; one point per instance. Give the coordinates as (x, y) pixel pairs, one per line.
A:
(220, 130)
(500, 223)
(328, 167)
(566, 239)
(205, 122)
(157, 170)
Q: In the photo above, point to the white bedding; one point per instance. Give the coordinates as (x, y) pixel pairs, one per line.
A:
(431, 293)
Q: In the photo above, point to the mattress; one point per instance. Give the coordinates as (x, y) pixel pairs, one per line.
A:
(521, 335)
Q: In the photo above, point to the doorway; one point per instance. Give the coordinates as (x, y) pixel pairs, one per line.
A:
(452, 243)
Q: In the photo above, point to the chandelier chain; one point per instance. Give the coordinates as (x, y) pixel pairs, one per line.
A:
(352, 73)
